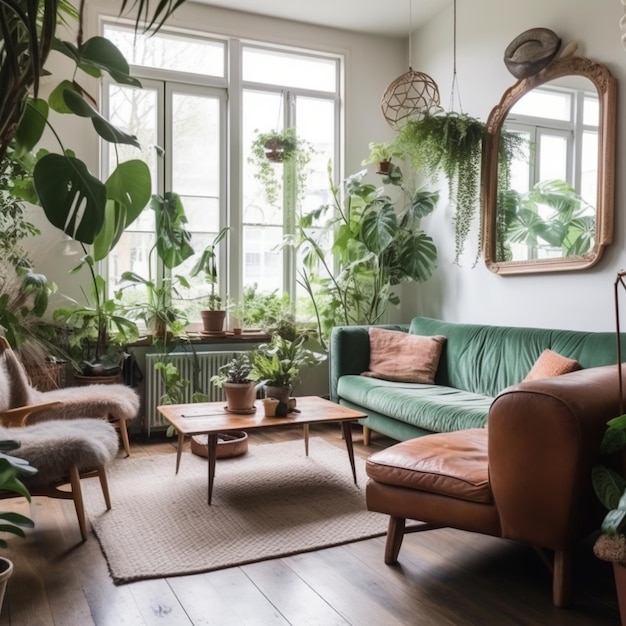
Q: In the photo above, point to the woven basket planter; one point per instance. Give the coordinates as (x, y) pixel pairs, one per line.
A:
(229, 445)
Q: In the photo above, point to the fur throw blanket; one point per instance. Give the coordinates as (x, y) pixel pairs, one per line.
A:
(116, 401)
(54, 446)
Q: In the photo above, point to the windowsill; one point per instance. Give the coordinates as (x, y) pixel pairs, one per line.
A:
(201, 339)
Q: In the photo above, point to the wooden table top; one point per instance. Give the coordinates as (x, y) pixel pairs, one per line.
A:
(212, 417)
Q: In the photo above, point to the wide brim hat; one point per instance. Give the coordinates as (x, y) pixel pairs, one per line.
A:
(531, 51)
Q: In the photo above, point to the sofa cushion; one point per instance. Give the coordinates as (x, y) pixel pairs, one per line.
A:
(551, 364)
(403, 357)
(431, 407)
(449, 464)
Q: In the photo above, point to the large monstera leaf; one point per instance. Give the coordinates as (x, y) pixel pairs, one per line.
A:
(71, 197)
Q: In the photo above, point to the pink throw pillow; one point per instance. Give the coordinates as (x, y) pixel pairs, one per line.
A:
(403, 357)
(551, 364)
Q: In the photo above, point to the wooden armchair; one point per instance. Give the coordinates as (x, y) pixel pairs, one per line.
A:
(22, 404)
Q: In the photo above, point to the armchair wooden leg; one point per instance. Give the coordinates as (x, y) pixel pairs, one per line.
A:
(121, 424)
(104, 485)
(367, 436)
(562, 579)
(395, 535)
(77, 496)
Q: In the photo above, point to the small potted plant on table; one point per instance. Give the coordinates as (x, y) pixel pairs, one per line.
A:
(239, 388)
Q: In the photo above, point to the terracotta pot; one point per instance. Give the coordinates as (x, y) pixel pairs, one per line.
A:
(269, 406)
(240, 396)
(383, 167)
(6, 570)
(213, 321)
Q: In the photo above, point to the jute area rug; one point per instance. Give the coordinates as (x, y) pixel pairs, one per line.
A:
(271, 502)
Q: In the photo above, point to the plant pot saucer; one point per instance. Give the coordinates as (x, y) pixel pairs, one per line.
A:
(241, 411)
(213, 333)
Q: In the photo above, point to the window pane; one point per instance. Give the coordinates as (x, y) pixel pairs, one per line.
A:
(289, 70)
(553, 158)
(591, 110)
(168, 51)
(545, 103)
(195, 145)
(262, 263)
(589, 173)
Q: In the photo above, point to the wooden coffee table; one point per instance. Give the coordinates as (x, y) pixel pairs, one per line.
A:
(211, 418)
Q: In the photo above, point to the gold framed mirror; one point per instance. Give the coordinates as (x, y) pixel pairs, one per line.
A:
(552, 208)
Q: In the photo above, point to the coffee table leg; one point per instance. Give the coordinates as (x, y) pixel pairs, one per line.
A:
(212, 455)
(306, 439)
(179, 451)
(346, 429)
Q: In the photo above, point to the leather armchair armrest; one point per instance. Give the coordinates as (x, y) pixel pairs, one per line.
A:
(349, 352)
(544, 437)
(19, 415)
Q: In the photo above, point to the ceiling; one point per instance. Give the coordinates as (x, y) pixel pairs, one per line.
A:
(381, 17)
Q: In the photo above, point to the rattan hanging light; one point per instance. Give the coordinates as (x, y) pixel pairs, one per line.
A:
(414, 94)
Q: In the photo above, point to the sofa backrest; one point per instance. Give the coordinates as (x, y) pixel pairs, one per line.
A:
(487, 359)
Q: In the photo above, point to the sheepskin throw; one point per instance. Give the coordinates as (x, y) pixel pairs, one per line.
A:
(54, 446)
(118, 402)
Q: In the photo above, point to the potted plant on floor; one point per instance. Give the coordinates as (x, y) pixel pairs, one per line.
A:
(610, 487)
(239, 388)
(213, 315)
(10, 522)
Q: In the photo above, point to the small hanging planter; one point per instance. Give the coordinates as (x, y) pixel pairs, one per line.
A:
(279, 147)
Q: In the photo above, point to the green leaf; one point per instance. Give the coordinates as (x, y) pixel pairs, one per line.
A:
(379, 228)
(608, 485)
(72, 199)
(79, 106)
(31, 127)
(101, 53)
(128, 192)
(423, 203)
(56, 99)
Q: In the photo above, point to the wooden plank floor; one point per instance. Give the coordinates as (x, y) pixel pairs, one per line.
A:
(445, 577)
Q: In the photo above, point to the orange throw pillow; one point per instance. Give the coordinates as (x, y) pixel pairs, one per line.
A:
(403, 357)
(551, 364)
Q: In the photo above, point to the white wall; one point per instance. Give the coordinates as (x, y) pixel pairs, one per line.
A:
(574, 300)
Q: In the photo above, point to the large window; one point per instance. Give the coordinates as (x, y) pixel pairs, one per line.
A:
(196, 128)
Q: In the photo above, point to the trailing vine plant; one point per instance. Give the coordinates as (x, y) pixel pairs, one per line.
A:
(452, 143)
(284, 148)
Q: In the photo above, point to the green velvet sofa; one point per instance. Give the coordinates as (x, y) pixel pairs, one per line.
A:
(477, 363)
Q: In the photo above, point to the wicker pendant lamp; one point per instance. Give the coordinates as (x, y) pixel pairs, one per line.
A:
(411, 95)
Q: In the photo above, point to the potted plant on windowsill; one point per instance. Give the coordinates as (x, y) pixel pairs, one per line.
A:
(213, 315)
(239, 388)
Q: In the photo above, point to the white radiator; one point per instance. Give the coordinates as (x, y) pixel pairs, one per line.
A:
(207, 364)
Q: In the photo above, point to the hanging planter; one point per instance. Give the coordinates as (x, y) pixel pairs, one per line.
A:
(279, 147)
(452, 144)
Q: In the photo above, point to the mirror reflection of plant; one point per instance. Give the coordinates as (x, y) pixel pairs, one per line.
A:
(295, 153)
(551, 215)
(377, 242)
(452, 143)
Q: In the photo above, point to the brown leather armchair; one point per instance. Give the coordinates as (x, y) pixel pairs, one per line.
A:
(526, 477)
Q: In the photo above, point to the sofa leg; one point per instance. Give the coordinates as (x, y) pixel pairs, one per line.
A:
(562, 579)
(395, 535)
(367, 436)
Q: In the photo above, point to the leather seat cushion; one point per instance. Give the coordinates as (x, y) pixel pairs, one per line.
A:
(450, 464)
